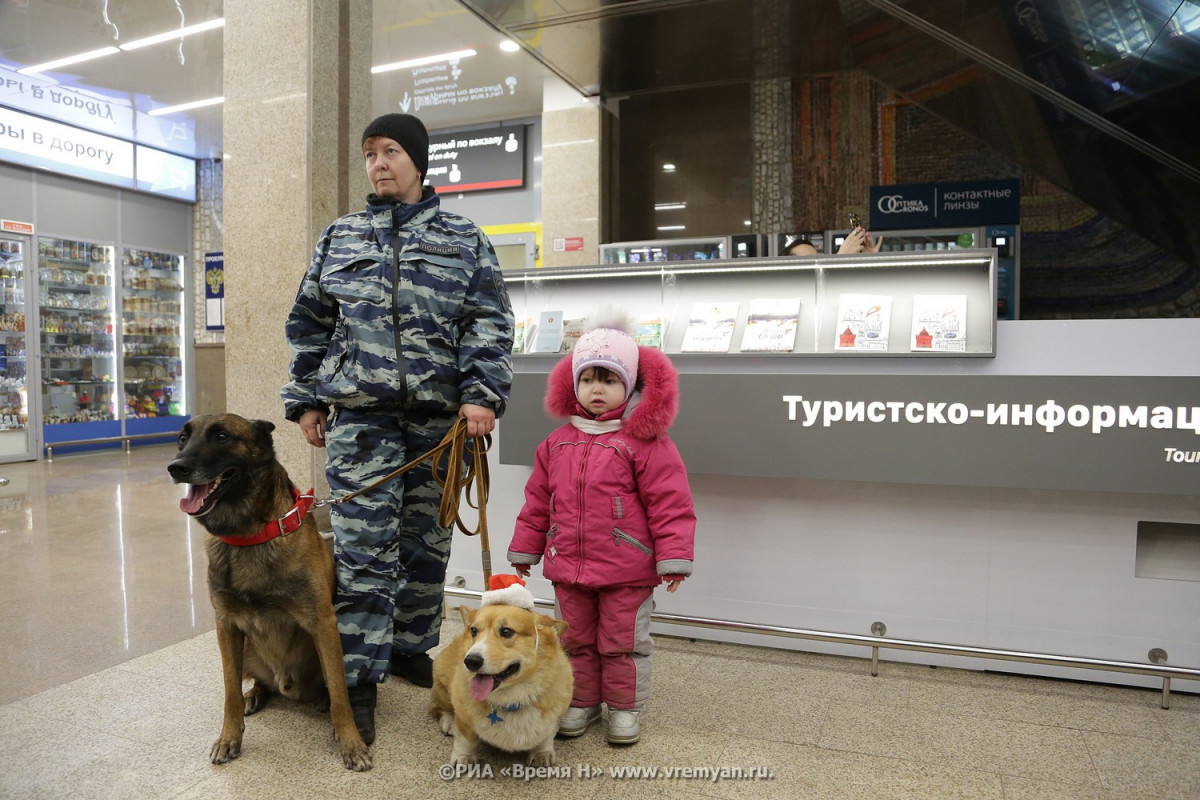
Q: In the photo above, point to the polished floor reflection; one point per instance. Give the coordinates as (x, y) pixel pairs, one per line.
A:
(97, 566)
(110, 688)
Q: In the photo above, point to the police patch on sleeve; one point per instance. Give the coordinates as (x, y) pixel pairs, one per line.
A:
(440, 249)
(501, 291)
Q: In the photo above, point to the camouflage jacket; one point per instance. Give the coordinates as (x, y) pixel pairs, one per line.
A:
(403, 307)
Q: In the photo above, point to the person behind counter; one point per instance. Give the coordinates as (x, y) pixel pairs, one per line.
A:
(857, 241)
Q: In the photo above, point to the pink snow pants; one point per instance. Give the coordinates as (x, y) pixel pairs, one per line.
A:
(608, 643)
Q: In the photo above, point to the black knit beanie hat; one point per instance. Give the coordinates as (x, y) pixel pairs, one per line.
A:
(407, 131)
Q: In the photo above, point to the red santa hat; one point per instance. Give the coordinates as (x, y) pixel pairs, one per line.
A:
(507, 590)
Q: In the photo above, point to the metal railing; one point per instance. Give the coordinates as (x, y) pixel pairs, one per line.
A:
(126, 440)
(878, 642)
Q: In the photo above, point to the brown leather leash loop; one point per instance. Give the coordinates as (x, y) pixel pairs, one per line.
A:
(464, 476)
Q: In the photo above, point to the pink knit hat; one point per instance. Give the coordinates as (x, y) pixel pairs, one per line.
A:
(608, 348)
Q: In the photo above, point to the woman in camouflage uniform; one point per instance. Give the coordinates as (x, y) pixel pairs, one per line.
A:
(402, 323)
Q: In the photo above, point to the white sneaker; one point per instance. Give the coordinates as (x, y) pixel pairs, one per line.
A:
(577, 720)
(624, 725)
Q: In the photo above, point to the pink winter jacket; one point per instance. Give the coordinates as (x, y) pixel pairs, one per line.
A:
(609, 509)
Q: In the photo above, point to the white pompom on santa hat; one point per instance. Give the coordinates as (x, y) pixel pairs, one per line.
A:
(507, 590)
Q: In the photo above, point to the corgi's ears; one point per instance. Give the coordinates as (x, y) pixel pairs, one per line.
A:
(559, 626)
(467, 612)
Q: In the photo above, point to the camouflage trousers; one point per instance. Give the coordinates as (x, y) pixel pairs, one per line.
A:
(390, 553)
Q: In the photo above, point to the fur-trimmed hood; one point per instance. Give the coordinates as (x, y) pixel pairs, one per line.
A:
(648, 413)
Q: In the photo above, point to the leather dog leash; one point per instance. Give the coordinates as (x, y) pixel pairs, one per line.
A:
(457, 482)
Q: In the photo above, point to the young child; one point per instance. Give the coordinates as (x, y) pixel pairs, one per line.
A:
(609, 507)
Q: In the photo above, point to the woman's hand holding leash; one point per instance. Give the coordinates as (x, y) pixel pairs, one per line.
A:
(481, 420)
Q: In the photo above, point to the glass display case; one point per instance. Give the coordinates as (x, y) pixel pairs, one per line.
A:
(919, 240)
(76, 300)
(1004, 238)
(152, 341)
(665, 250)
(14, 394)
(921, 304)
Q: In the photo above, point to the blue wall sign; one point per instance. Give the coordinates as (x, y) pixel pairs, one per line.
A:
(214, 291)
(945, 205)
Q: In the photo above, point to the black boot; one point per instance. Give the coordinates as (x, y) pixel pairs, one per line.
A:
(362, 703)
(416, 668)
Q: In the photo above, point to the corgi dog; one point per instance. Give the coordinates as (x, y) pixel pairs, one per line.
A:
(505, 680)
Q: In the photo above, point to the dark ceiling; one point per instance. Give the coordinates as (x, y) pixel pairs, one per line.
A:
(1091, 95)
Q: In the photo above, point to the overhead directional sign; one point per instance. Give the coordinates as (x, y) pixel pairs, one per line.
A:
(476, 160)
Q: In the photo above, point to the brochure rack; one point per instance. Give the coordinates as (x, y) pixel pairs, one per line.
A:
(674, 294)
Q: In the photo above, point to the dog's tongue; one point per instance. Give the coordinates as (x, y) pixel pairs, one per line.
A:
(481, 686)
(195, 497)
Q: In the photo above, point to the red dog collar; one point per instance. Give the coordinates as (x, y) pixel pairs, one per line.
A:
(286, 524)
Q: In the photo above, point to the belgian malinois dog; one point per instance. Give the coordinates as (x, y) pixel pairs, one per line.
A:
(274, 598)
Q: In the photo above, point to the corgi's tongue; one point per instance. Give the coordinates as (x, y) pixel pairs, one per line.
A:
(481, 686)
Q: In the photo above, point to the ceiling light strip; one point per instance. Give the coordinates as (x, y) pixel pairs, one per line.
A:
(62, 62)
(212, 101)
(420, 62)
(178, 33)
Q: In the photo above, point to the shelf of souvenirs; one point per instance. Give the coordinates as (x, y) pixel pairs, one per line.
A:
(77, 352)
(72, 301)
(96, 326)
(50, 361)
(75, 273)
(153, 401)
(12, 284)
(83, 415)
(67, 277)
(12, 322)
(152, 284)
(164, 329)
(12, 293)
(151, 374)
(69, 250)
(150, 260)
(168, 348)
(13, 418)
(99, 380)
(150, 304)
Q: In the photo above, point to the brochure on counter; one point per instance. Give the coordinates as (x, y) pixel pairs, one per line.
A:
(649, 332)
(863, 322)
(710, 328)
(939, 323)
(548, 335)
(572, 329)
(771, 325)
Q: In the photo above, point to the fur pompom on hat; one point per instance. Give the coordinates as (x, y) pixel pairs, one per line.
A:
(610, 348)
(507, 590)
(407, 131)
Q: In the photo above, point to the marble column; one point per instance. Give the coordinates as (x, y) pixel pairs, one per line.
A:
(573, 175)
(297, 96)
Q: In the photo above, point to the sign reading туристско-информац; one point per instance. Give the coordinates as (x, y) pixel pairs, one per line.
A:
(476, 160)
(945, 205)
(1086, 433)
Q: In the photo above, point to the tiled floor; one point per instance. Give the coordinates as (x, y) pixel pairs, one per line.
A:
(110, 687)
